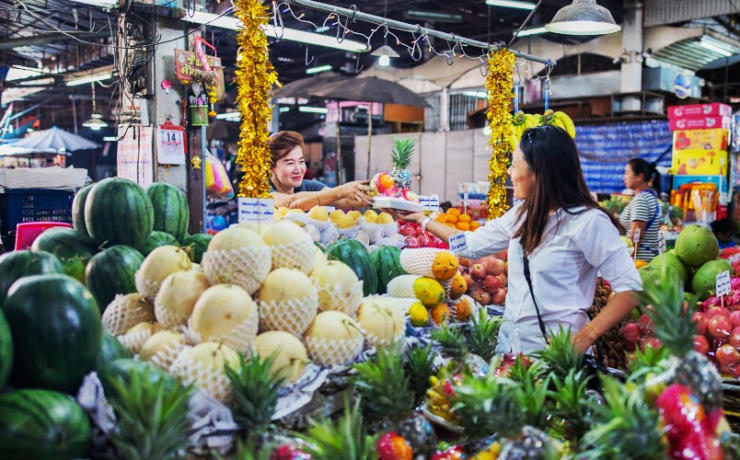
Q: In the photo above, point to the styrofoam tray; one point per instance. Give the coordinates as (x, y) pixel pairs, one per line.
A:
(396, 203)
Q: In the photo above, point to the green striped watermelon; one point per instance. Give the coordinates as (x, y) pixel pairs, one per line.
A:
(196, 245)
(78, 209)
(171, 212)
(42, 425)
(17, 264)
(354, 254)
(158, 239)
(73, 249)
(112, 272)
(387, 262)
(118, 211)
(6, 351)
(56, 329)
(110, 351)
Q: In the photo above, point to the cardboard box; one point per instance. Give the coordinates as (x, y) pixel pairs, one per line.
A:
(699, 162)
(699, 111)
(700, 139)
(719, 181)
(676, 124)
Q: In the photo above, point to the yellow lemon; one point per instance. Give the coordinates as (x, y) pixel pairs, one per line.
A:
(419, 315)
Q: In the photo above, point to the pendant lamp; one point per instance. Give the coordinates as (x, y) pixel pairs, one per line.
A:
(583, 17)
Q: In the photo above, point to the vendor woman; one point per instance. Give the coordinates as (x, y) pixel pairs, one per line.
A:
(290, 189)
(561, 238)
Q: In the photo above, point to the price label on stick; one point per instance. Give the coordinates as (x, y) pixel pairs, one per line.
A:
(256, 211)
(424, 201)
(434, 202)
(723, 283)
(661, 243)
(636, 238)
(458, 243)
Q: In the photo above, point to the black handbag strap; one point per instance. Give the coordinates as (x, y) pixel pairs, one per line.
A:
(528, 277)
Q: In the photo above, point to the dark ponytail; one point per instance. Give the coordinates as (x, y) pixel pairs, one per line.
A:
(648, 171)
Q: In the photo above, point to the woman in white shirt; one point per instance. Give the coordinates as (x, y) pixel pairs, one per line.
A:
(568, 240)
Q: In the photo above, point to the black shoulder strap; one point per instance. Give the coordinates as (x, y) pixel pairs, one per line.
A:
(528, 277)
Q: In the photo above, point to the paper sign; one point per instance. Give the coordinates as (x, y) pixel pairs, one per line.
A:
(434, 202)
(171, 146)
(723, 283)
(425, 201)
(256, 211)
(466, 197)
(135, 154)
(636, 238)
(661, 243)
(458, 243)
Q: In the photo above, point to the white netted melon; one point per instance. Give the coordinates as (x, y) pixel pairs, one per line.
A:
(403, 286)
(237, 256)
(319, 259)
(288, 302)
(382, 321)
(292, 247)
(136, 337)
(226, 313)
(290, 355)
(162, 348)
(177, 296)
(125, 312)
(333, 339)
(203, 366)
(338, 287)
(158, 265)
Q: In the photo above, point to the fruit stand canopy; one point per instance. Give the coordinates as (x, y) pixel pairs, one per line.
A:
(52, 140)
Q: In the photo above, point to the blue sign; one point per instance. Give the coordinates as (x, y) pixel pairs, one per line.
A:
(682, 86)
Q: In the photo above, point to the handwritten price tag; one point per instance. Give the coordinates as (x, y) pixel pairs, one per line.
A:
(434, 202)
(723, 283)
(661, 243)
(424, 201)
(636, 238)
(256, 211)
(458, 243)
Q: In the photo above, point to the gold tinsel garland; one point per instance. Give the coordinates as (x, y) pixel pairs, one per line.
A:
(499, 84)
(255, 76)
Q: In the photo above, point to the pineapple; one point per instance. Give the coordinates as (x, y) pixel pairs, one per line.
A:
(531, 391)
(151, 418)
(483, 335)
(560, 355)
(571, 397)
(249, 451)
(255, 393)
(626, 427)
(403, 151)
(532, 444)
(420, 368)
(347, 439)
(453, 343)
(662, 299)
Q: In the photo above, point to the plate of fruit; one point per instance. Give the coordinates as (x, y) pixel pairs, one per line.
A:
(392, 190)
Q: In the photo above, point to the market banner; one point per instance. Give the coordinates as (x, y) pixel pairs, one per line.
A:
(605, 150)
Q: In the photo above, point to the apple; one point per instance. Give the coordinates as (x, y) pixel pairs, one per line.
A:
(499, 298)
(719, 327)
(701, 344)
(425, 241)
(727, 355)
(735, 318)
(479, 272)
(630, 346)
(701, 322)
(412, 242)
(495, 266)
(491, 284)
(407, 230)
(481, 296)
(645, 324)
(504, 280)
(717, 311)
(631, 332)
(735, 337)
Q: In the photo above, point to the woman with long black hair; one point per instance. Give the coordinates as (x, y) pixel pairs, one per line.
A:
(643, 211)
(558, 239)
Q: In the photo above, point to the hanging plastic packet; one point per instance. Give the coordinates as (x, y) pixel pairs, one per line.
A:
(218, 185)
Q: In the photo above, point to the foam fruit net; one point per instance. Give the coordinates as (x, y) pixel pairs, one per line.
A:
(210, 379)
(374, 341)
(292, 316)
(333, 352)
(403, 286)
(147, 288)
(133, 341)
(374, 232)
(387, 230)
(122, 314)
(300, 255)
(246, 267)
(164, 358)
(335, 298)
(240, 338)
(419, 261)
(168, 319)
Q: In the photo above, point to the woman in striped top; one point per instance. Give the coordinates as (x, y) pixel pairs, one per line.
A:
(643, 211)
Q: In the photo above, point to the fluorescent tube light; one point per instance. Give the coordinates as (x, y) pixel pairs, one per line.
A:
(230, 22)
(89, 79)
(431, 16)
(511, 4)
(109, 4)
(305, 109)
(229, 116)
(534, 31)
(319, 69)
(478, 94)
(110, 139)
(284, 109)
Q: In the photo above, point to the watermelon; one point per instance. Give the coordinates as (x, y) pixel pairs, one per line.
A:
(118, 211)
(73, 249)
(6, 351)
(78, 209)
(111, 350)
(121, 369)
(43, 425)
(387, 262)
(196, 245)
(17, 264)
(158, 239)
(171, 212)
(113, 272)
(354, 254)
(56, 329)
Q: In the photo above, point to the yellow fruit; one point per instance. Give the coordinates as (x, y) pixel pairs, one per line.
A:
(442, 218)
(319, 260)
(152, 328)
(318, 213)
(454, 212)
(440, 313)
(336, 215)
(464, 226)
(464, 218)
(459, 286)
(384, 218)
(219, 313)
(463, 310)
(452, 218)
(283, 210)
(235, 238)
(290, 354)
(346, 221)
(354, 214)
(474, 225)
(371, 216)
(161, 342)
(295, 211)
(419, 315)
(429, 291)
(177, 297)
(333, 273)
(444, 266)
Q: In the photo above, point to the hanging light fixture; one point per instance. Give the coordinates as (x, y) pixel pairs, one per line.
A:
(583, 17)
(385, 52)
(96, 120)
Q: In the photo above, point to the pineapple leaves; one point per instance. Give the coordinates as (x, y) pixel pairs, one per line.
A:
(420, 368)
(403, 152)
(572, 404)
(482, 337)
(560, 355)
(451, 340)
(383, 387)
(248, 451)
(346, 439)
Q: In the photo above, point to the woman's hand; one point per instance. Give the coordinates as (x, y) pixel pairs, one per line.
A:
(417, 217)
(584, 339)
(356, 192)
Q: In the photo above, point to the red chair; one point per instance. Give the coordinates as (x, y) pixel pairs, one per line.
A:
(27, 232)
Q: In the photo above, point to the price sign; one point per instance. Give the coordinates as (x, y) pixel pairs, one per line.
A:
(661, 243)
(256, 211)
(723, 283)
(458, 243)
(636, 238)
(424, 202)
(434, 202)
(466, 197)
(171, 145)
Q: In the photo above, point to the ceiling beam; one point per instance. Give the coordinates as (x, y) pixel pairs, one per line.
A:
(52, 37)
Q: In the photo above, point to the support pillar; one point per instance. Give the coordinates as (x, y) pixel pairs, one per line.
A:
(632, 59)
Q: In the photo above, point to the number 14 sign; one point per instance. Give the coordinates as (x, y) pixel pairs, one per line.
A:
(171, 144)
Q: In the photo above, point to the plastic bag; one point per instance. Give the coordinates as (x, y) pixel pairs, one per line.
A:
(218, 185)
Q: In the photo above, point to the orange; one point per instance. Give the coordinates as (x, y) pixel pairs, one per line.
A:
(464, 218)
(442, 218)
(440, 314)
(386, 181)
(450, 225)
(464, 226)
(474, 225)
(444, 266)
(452, 218)
(454, 211)
(459, 287)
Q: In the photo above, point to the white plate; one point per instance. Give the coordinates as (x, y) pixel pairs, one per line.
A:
(381, 202)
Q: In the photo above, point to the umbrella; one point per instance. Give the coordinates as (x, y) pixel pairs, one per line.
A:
(56, 140)
(223, 130)
(370, 89)
(11, 149)
(307, 87)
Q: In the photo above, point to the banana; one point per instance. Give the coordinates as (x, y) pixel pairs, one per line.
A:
(557, 122)
(539, 120)
(567, 123)
(519, 118)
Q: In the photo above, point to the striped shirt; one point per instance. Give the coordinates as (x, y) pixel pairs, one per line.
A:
(644, 207)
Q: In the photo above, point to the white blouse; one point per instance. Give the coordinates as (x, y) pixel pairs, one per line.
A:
(575, 248)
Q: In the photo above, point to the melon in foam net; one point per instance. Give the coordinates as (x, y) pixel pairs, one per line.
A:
(338, 287)
(333, 339)
(226, 313)
(292, 247)
(288, 302)
(288, 351)
(237, 256)
(158, 265)
(177, 297)
(203, 366)
(162, 348)
(382, 321)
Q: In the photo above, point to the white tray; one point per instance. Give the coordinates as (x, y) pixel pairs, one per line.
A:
(381, 202)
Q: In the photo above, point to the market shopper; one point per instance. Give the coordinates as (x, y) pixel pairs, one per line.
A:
(561, 238)
(643, 211)
(290, 188)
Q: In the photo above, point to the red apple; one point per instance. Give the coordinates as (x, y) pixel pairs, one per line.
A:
(491, 284)
(407, 230)
(499, 298)
(727, 355)
(412, 242)
(717, 311)
(504, 280)
(631, 332)
(701, 322)
(481, 296)
(719, 327)
(630, 346)
(735, 337)
(479, 272)
(495, 266)
(468, 279)
(425, 241)
(419, 231)
(701, 344)
(735, 318)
